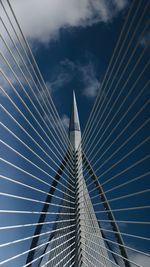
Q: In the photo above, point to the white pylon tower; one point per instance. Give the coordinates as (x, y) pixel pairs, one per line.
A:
(89, 247)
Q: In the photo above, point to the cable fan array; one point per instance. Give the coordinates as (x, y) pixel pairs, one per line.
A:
(40, 172)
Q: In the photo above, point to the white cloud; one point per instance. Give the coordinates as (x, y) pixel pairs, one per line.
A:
(65, 121)
(57, 123)
(68, 64)
(62, 75)
(42, 20)
(12, 66)
(6, 71)
(145, 41)
(92, 90)
(61, 79)
(44, 24)
(48, 85)
(120, 4)
(91, 83)
(66, 72)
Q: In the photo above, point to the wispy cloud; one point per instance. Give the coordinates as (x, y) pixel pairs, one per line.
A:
(145, 41)
(60, 79)
(49, 17)
(65, 121)
(85, 73)
(68, 64)
(57, 123)
(15, 70)
(63, 74)
(47, 20)
(6, 73)
(90, 81)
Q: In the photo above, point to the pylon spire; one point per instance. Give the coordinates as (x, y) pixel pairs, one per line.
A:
(74, 121)
(74, 127)
(85, 215)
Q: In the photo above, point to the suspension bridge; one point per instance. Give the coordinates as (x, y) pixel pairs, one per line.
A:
(66, 198)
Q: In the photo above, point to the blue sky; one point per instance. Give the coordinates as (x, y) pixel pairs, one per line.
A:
(72, 41)
(77, 60)
(72, 45)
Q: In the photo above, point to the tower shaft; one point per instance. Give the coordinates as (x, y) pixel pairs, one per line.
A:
(87, 228)
(75, 140)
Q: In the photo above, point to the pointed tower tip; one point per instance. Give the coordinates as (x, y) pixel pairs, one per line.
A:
(74, 121)
(74, 96)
